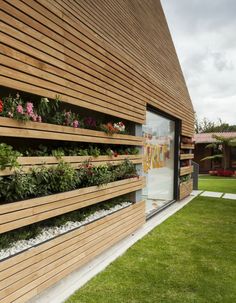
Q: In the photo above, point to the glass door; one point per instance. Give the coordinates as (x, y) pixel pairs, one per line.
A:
(158, 166)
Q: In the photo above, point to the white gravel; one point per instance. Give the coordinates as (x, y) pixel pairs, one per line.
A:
(49, 233)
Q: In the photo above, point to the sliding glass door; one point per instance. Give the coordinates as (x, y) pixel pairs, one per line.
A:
(159, 154)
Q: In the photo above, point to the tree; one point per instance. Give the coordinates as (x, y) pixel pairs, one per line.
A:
(220, 146)
(207, 126)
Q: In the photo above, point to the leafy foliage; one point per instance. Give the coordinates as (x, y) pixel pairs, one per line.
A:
(44, 181)
(207, 126)
(8, 157)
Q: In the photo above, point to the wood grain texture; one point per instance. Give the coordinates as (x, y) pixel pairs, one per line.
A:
(185, 189)
(22, 213)
(186, 170)
(186, 156)
(26, 274)
(99, 54)
(27, 163)
(12, 128)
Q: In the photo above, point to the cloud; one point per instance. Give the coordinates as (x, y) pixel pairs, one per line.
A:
(204, 36)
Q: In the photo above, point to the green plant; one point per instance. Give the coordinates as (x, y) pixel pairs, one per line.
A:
(94, 175)
(42, 181)
(58, 153)
(48, 107)
(125, 170)
(94, 151)
(8, 157)
(17, 187)
(63, 177)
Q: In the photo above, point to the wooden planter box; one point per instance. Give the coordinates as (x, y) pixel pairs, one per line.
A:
(185, 189)
(13, 128)
(28, 162)
(186, 156)
(186, 170)
(22, 213)
(28, 273)
(187, 146)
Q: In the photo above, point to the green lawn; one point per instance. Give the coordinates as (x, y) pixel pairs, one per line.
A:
(190, 258)
(220, 184)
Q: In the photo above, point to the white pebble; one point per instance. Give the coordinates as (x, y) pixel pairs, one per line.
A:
(52, 232)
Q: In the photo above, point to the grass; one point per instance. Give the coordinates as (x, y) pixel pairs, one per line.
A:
(190, 258)
(218, 184)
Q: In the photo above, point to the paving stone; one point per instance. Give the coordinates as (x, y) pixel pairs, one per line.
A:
(211, 194)
(230, 196)
(196, 192)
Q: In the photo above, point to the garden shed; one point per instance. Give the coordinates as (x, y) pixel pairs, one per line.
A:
(96, 127)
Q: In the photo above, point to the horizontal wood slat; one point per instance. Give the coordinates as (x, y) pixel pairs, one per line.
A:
(186, 156)
(22, 213)
(114, 64)
(186, 170)
(185, 189)
(27, 163)
(13, 128)
(28, 273)
(187, 146)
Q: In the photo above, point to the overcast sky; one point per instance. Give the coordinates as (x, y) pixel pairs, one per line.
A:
(204, 34)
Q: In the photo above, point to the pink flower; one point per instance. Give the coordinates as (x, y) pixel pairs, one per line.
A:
(75, 123)
(20, 109)
(39, 119)
(29, 108)
(34, 117)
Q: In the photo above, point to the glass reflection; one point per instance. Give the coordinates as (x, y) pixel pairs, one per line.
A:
(158, 160)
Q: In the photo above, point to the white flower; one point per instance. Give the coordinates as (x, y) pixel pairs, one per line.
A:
(119, 126)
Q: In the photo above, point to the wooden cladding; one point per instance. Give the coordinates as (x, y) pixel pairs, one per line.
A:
(22, 213)
(99, 55)
(25, 275)
(27, 163)
(186, 170)
(186, 156)
(185, 189)
(13, 128)
(187, 146)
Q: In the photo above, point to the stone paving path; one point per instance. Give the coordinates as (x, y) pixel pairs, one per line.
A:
(214, 194)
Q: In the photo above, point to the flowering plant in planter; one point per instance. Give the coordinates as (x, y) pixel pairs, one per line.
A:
(49, 111)
(115, 128)
(17, 108)
(43, 181)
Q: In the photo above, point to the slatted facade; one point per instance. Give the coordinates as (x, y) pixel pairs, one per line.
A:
(112, 56)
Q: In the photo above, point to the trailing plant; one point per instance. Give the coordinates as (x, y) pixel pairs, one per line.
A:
(8, 157)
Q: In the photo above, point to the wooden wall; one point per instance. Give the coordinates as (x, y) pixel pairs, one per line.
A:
(28, 273)
(113, 56)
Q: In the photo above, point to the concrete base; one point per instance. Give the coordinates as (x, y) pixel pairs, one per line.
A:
(67, 286)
